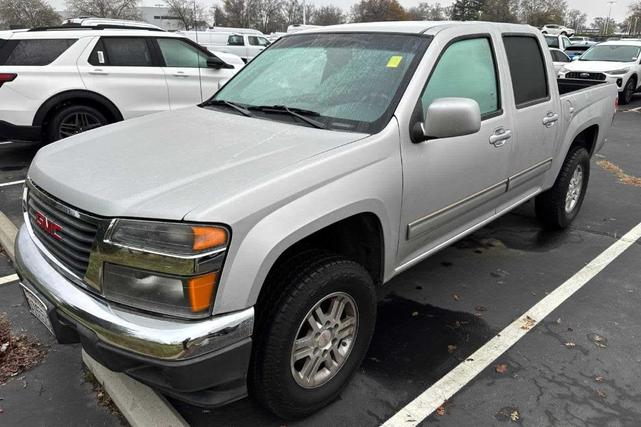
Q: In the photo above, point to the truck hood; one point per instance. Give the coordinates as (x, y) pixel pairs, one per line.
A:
(597, 66)
(159, 166)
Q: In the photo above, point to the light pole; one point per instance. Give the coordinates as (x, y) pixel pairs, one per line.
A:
(607, 23)
(304, 12)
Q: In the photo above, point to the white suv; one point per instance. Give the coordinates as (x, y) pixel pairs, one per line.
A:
(56, 82)
(557, 30)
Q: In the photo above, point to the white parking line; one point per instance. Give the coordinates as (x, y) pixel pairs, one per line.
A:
(6, 184)
(426, 403)
(8, 279)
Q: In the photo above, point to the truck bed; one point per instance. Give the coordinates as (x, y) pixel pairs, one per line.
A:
(573, 85)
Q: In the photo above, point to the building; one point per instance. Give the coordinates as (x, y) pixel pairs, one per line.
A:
(160, 16)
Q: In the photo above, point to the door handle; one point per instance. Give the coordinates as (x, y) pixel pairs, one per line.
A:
(180, 74)
(550, 119)
(501, 137)
(98, 72)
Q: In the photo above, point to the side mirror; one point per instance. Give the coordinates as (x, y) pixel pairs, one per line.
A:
(447, 118)
(217, 63)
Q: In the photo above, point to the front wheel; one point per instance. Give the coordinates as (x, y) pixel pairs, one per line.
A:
(625, 97)
(74, 119)
(311, 334)
(557, 207)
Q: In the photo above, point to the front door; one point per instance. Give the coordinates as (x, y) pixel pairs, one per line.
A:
(451, 184)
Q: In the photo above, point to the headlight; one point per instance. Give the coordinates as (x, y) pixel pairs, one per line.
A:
(618, 72)
(564, 70)
(165, 268)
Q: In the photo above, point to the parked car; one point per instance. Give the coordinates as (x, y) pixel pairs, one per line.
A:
(246, 46)
(56, 82)
(558, 42)
(576, 40)
(557, 30)
(576, 50)
(238, 245)
(559, 59)
(616, 62)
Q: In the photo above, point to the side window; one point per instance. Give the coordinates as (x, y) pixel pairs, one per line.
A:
(177, 53)
(467, 69)
(36, 52)
(235, 40)
(566, 43)
(527, 68)
(257, 41)
(121, 52)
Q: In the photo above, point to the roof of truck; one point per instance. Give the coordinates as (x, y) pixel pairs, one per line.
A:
(407, 27)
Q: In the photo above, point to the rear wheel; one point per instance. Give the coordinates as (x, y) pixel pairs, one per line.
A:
(626, 96)
(557, 207)
(311, 334)
(74, 119)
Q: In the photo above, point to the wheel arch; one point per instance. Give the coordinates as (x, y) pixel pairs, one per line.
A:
(87, 97)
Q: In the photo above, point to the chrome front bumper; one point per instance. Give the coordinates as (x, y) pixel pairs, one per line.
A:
(142, 334)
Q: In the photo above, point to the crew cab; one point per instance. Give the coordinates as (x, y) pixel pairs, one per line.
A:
(59, 81)
(237, 246)
(246, 44)
(616, 62)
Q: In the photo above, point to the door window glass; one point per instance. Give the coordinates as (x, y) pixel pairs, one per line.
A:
(235, 40)
(465, 70)
(122, 52)
(177, 53)
(34, 52)
(527, 68)
(257, 41)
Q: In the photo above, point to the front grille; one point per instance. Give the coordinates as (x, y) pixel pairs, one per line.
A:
(76, 233)
(585, 76)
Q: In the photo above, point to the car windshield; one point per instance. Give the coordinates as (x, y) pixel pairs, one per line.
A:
(612, 53)
(552, 41)
(347, 81)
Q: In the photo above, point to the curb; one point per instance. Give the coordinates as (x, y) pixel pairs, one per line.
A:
(8, 233)
(139, 404)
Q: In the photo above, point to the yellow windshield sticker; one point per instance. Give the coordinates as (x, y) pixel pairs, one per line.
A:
(394, 61)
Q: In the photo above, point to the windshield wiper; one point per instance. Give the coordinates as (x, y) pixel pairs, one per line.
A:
(242, 110)
(295, 112)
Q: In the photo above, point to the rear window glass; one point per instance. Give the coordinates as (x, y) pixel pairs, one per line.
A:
(527, 68)
(33, 52)
(122, 52)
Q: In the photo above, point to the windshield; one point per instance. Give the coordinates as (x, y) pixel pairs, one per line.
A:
(348, 81)
(612, 53)
(552, 41)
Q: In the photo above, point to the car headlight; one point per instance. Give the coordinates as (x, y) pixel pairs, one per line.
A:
(618, 72)
(166, 268)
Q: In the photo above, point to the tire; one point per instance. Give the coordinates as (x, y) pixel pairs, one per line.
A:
(556, 208)
(625, 97)
(295, 292)
(83, 117)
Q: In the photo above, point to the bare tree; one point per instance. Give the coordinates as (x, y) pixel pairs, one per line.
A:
(500, 10)
(328, 15)
(235, 13)
(267, 15)
(27, 14)
(190, 13)
(426, 12)
(117, 9)
(576, 19)
(541, 12)
(293, 12)
(378, 10)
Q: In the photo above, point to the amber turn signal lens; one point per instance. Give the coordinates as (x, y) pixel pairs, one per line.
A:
(208, 237)
(201, 290)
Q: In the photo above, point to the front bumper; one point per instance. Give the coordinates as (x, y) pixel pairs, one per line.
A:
(203, 362)
(9, 131)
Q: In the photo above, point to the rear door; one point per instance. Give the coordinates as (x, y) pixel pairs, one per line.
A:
(452, 184)
(125, 71)
(189, 80)
(256, 44)
(536, 114)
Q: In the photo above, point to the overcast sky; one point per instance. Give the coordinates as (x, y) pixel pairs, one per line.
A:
(592, 7)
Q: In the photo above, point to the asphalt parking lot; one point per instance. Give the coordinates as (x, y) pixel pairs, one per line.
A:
(579, 366)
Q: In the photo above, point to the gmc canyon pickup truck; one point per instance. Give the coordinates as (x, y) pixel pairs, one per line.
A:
(236, 246)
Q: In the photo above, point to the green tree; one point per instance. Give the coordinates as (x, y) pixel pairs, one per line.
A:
(27, 14)
(633, 21)
(378, 10)
(467, 10)
(576, 19)
(426, 12)
(607, 26)
(117, 9)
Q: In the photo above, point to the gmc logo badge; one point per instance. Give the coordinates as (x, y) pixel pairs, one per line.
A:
(48, 226)
(585, 75)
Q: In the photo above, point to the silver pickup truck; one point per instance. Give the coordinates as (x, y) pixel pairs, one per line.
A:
(236, 246)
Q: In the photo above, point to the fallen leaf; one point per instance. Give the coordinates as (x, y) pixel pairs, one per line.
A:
(598, 340)
(528, 323)
(456, 297)
(623, 177)
(599, 379)
(515, 416)
(601, 394)
(440, 411)
(558, 321)
(451, 348)
(570, 344)
(501, 368)
(499, 273)
(480, 308)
